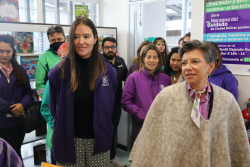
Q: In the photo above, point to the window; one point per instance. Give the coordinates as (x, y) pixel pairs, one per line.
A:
(174, 22)
(51, 12)
(55, 11)
(92, 10)
(33, 11)
(65, 12)
(23, 10)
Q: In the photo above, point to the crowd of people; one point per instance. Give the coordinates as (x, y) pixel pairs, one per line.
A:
(183, 101)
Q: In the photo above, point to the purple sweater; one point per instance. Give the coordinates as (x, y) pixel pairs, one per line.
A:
(8, 156)
(140, 90)
(11, 93)
(224, 78)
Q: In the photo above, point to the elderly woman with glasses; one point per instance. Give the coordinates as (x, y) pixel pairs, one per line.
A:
(193, 123)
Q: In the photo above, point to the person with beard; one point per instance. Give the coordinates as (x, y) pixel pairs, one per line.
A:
(50, 58)
(109, 45)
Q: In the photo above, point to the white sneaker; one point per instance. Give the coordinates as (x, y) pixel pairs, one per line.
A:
(116, 163)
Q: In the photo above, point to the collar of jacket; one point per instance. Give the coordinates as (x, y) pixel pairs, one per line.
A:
(68, 74)
(148, 75)
(50, 49)
(116, 60)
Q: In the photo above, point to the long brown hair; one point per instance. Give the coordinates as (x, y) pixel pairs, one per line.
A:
(166, 51)
(137, 60)
(152, 46)
(20, 78)
(97, 65)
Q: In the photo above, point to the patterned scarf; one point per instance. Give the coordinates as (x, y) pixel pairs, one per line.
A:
(196, 109)
(6, 70)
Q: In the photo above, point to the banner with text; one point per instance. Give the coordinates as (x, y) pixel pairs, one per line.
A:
(227, 23)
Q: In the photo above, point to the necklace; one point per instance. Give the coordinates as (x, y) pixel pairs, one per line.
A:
(175, 78)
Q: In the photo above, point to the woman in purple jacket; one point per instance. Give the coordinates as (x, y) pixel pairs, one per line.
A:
(143, 86)
(223, 77)
(15, 94)
(137, 61)
(81, 95)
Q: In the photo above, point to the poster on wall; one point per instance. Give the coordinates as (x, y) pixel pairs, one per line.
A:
(81, 11)
(24, 42)
(227, 23)
(9, 10)
(29, 63)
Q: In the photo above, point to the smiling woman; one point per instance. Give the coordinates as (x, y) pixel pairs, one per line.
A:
(143, 86)
(173, 66)
(207, 114)
(82, 92)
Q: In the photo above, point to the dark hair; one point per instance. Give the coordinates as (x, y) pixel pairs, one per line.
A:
(137, 60)
(167, 68)
(20, 78)
(152, 46)
(166, 51)
(53, 29)
(219, 60)
(111, 39)
(97, 66)
(187, 35)
(207, 48)
(181, 39)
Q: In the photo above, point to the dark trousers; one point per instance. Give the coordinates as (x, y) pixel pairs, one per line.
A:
(14, 136)
(136, 128)
(116, 115)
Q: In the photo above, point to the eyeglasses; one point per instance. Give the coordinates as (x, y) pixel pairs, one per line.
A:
(108, 47)
(193, 63)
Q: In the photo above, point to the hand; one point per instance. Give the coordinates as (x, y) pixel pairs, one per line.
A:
(17, 110)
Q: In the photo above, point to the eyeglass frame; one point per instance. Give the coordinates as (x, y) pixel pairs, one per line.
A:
(198, 62)
(108, 47)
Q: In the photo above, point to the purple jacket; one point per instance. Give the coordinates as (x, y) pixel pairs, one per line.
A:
(140, 90)
(11, 93)
(62, 108)
(132, 69)
(8, 156)
(224, 78)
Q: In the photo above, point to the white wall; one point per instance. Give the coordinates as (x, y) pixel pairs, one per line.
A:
(197, 33)
(114, 13)
(154, 19)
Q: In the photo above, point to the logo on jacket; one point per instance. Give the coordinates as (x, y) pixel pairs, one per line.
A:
(162, 86)
(105, 81)
(120, 65)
